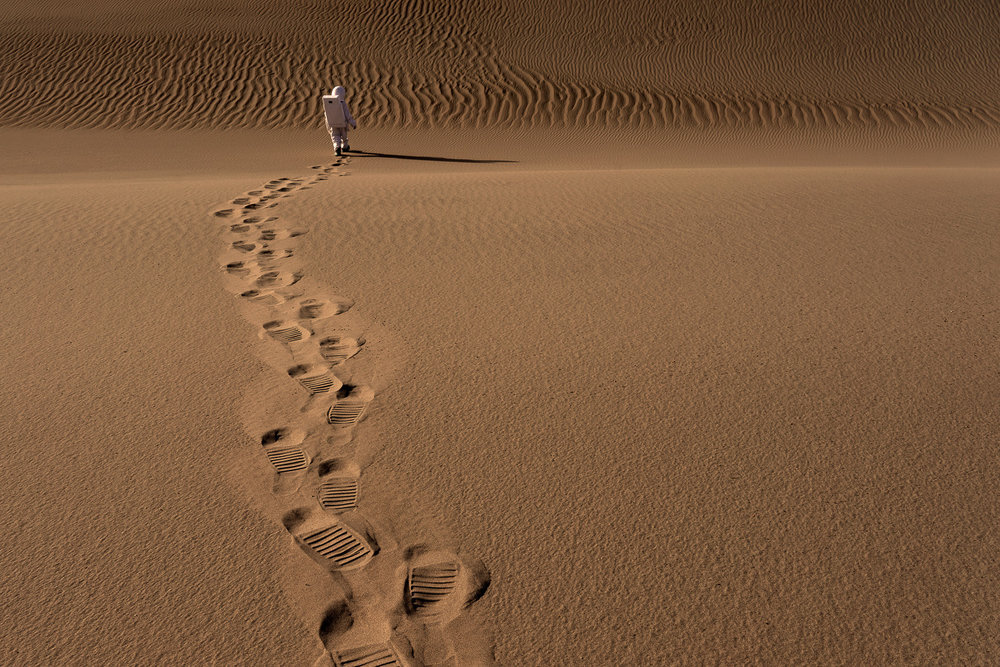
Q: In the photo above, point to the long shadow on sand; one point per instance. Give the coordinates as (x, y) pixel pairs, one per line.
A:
(426, 158)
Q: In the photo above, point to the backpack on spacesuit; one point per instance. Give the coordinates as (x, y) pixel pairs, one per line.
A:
(333, 107)
(336, 110)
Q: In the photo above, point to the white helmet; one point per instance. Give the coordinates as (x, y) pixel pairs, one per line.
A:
(339, 92)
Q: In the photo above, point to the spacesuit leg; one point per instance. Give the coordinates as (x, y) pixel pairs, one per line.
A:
(337, 134)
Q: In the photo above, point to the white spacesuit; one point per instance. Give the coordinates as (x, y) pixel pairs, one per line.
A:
(338, 117)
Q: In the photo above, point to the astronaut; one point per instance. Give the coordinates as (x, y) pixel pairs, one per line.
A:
(338, 117)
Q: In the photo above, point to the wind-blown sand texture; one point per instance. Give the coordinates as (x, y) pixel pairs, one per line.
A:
(520, 380)
(637, 64)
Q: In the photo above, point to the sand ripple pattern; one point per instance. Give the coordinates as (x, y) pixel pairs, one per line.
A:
(410, 64)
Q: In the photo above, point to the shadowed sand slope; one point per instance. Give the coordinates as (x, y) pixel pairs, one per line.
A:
(733, 65)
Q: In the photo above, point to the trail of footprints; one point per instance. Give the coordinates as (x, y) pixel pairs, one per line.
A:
(260, 265)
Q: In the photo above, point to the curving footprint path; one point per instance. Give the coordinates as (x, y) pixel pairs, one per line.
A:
(401, 619)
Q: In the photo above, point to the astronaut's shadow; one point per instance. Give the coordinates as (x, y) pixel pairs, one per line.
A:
(425, 158)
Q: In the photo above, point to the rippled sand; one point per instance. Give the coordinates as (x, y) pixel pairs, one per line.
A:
(636, 65)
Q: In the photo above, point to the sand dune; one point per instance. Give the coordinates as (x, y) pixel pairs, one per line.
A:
(519, 380)
(637, 66)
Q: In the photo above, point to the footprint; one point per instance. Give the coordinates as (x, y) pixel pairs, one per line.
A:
(337, 349)
(255, 192)
(333, 543)
(283, 435)
(288, 460)
(263, 297)
(239, 201)
(280, 234)
(315, 309)
(432, 590)
(316, 378)
(339, 485)
(337, 620)
(373, 655)
(339, 494)
(272, 279)
(350, 406)
(224, 213)
(244, 246)
(439, 584)
(285, 331)
(268, 255)
(282, 447)
(240, 269)
(239, 228)
(272, 262)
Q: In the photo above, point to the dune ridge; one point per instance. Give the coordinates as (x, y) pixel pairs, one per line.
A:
(738, 67)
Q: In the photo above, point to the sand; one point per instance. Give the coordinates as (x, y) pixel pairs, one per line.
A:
(625, 65)
(614, 341)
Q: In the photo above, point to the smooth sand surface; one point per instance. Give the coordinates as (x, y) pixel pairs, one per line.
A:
(694, 415)
(121, 378)
(640, 335)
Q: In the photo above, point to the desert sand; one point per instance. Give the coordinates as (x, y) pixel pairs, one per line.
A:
(642, 333)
